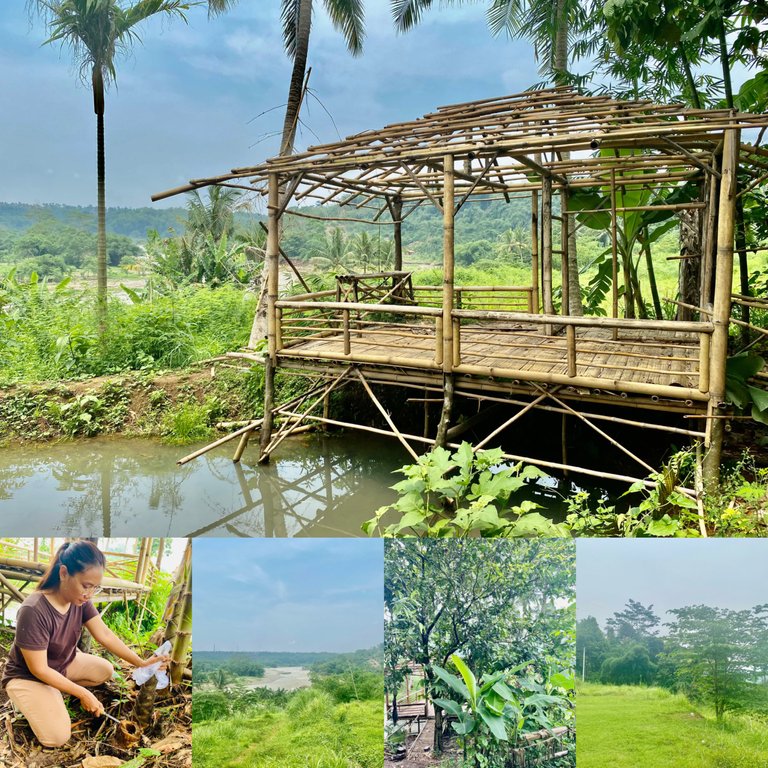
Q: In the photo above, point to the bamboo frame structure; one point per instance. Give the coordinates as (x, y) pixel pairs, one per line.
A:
(545, 145)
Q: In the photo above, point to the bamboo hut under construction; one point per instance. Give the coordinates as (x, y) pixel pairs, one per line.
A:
(509, 344)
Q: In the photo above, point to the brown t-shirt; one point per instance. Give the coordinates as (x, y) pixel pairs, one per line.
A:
(40, 627)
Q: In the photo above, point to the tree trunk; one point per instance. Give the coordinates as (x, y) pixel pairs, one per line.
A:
(290, 124)
(741, 248)
(101, 205)
(689, 273)
(304, 23)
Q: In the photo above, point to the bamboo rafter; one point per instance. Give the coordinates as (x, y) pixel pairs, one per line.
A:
(507, 132)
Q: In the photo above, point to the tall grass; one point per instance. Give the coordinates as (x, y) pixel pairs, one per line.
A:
(50, 332)
(312, 731)
(638, 727)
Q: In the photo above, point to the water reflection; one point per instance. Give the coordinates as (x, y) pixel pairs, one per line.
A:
(314, 486)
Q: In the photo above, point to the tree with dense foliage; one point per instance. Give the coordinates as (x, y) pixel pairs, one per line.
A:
(591, 647)
(96, 31)
(498, 604)
(717, 653)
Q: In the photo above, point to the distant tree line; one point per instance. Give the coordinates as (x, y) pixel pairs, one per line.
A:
(713, 655)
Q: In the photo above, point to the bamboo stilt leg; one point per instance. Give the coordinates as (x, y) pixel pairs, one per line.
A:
(445, 417)
(387, 417)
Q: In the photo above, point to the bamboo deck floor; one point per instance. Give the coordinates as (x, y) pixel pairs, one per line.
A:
(669, 359)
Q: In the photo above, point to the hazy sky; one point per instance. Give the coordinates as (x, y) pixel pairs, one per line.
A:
(725, 573)
(188, 100)
(288, 594)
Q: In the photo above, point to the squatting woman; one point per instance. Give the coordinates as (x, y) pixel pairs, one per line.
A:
(45, 661)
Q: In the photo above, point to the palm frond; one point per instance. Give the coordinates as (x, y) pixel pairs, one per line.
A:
(289, 18)
(407, 13)
(348, 17)
(505, 16)
(217, 7)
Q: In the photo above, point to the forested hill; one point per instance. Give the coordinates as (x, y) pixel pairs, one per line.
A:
(361, 658)
(131, 222)
(477, 221)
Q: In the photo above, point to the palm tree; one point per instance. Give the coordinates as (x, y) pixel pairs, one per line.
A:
(296, 15)
(548, 24)
(347, 17)
(96, 31)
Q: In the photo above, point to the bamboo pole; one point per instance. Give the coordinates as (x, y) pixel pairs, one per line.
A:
(546, 247)
(722, 305)
(248, 428)
(614, 256)
(294, 426)
(16, 593)
(634, 387)
(599, 431)
(535, 251)
(564, 266)
(594, 416)
(705, 297)
(570, 336)
(273, 252)
(509, 422)
(448, 261)
(441, 439)
(386, 416)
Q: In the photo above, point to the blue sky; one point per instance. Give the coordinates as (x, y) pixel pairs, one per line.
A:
(188, 99)
(669, 573)
(287, 594)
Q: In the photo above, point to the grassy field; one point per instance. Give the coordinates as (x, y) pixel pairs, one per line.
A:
(311, 732)
(634, 727)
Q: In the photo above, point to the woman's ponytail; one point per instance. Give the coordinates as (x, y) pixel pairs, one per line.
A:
(77, 556)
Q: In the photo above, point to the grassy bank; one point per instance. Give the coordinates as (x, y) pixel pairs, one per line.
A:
(312, 731)
(634, 727)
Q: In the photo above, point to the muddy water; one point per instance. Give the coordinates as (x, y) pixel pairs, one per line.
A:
(287, 678)
(314, 486)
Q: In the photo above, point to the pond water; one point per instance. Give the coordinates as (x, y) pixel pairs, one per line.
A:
(315, 485)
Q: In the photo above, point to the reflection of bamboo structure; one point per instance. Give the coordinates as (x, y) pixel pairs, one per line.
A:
(540, 146)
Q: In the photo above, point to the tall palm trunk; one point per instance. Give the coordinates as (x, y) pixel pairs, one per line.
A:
(304, 23)
(101, 205)
(290, 124)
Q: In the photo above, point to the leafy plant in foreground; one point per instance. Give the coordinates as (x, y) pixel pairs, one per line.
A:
(458, 494)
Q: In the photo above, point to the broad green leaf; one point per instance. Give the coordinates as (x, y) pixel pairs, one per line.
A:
(496, 723)
(452, 681)
(450, 706)
(465, 725)
(467, 675)
(664, 527)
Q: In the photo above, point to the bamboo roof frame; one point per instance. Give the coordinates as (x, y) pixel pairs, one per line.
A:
(508, 145)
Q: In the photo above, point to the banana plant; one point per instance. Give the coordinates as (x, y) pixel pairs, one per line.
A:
(486, 704)
(634, 228)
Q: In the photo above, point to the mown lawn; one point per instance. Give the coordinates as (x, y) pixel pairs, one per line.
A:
(634, 727)
(312, 732)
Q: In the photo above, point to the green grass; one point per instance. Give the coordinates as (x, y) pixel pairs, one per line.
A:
(311, 732)
(634, 727)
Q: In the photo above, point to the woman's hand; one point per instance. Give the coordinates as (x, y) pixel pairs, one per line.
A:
(91, 703)
(163, 660)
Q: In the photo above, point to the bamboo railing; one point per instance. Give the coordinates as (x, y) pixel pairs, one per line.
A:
(656, 358)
